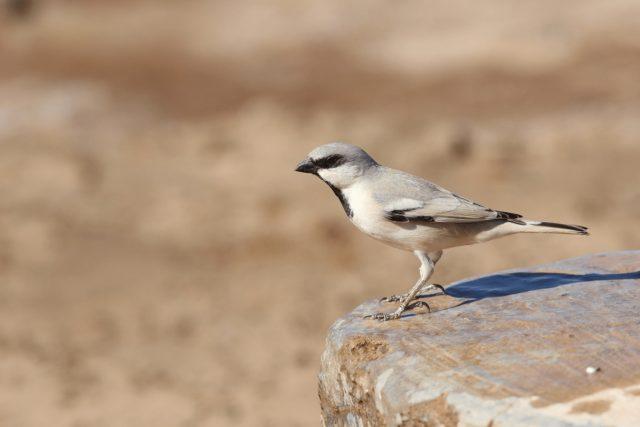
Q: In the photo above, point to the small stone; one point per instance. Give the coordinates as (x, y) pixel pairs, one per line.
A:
(592, 370)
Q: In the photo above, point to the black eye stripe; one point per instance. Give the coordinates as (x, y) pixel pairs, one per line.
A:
(331, 161)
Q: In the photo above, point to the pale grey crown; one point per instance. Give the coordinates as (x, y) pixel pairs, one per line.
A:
(339, 153)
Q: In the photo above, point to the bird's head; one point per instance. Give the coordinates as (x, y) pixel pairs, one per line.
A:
(338, 164)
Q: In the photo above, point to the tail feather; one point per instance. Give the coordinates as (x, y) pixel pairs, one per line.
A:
(554, 227)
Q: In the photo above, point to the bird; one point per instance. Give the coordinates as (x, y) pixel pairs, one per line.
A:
(410, 213)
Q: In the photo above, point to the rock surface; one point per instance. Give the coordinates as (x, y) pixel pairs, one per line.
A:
(554, 345)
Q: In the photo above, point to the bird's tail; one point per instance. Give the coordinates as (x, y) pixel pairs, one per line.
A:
(552, 227)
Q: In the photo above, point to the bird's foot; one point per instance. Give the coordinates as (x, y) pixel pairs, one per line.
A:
(402, 297)
(418, 304)
(383, 317)
(394, 298)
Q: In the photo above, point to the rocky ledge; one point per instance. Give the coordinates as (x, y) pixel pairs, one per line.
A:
(553, 345)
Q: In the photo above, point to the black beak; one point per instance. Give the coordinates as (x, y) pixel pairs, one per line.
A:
(307, 166)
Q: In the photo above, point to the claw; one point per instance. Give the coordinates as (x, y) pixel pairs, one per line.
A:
(419, 304)
(435, 285)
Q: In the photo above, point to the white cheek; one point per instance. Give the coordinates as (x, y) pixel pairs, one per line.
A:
(340, 177)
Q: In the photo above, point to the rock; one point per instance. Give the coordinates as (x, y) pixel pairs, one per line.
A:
(508, 349)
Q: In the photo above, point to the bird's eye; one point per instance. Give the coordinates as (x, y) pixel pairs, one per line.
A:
(328, 162)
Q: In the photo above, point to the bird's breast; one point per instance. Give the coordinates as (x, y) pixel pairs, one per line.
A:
(364, 209)
(368, 215)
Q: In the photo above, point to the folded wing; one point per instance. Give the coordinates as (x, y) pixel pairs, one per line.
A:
(407, 198)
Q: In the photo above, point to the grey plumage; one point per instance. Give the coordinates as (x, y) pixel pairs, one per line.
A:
(413, 198)
(411, 213)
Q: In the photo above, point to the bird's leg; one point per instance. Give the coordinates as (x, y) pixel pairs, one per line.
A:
(433, 256)
(426, 269)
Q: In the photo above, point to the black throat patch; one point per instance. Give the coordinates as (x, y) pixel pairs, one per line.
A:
(342, 198)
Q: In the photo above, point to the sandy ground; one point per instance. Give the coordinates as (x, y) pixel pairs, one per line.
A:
(162, 265)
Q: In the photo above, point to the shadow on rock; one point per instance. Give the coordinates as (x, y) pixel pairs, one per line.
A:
(500, 285)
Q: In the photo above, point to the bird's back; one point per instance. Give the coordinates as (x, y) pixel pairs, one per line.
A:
(389, 184)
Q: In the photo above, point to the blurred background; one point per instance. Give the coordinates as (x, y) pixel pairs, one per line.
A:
(160, 262)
